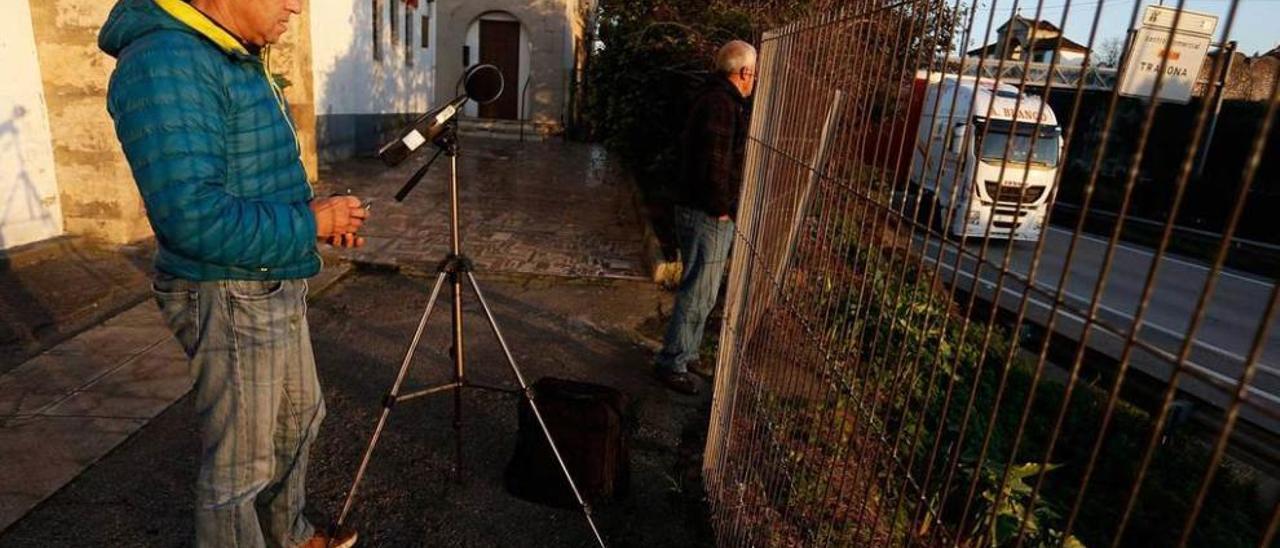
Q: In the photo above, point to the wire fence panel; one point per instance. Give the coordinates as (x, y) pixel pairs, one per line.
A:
(919, 348)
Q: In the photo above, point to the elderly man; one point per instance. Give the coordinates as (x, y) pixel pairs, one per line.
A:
(712, 146)
(208, 136)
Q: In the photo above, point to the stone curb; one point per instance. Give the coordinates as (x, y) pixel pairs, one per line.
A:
(78, 310)
(26, 255)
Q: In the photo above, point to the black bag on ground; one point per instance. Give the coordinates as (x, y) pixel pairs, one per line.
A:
(588, 424)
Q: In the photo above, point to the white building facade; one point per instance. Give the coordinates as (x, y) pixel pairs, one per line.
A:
(29, 205)
(355, 72)
(379, 63)
(373, 66)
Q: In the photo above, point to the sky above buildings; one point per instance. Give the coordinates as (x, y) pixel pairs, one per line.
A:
(1256, 26)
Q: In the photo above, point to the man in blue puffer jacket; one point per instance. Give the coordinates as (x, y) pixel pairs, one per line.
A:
(212, 148)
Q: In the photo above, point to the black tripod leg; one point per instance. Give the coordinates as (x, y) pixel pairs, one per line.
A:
(389, 402)
(488, 314)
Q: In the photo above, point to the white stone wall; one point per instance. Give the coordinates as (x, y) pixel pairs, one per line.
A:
(96, 192)
(347, 78)
(29, 207)
(543, 24)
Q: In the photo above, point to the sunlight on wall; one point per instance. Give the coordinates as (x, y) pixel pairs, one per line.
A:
(347, 78)
(29, 207)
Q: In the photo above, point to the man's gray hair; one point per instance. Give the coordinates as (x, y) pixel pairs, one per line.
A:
(735, 56)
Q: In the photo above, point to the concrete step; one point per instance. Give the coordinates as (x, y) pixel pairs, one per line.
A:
(502, 129)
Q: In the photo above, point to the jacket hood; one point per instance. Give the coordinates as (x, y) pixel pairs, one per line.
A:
(130, 20)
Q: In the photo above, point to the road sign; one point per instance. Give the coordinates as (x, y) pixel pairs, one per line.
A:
(1191, 22)
(1180, 57)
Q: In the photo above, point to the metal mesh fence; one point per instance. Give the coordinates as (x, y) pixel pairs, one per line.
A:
(919, 348)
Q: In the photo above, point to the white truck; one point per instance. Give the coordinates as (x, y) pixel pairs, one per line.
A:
(993, 156)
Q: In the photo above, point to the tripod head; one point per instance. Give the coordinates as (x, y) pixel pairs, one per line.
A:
(446, 142)
(482, 84)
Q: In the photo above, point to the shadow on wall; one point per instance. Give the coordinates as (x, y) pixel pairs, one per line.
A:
(20, 197)
(52, 287)
(380, 93)
(19, 308)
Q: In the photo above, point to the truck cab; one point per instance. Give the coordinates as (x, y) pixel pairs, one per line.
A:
(988, 153)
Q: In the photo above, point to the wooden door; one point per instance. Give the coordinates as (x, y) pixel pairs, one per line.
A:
(500, 47)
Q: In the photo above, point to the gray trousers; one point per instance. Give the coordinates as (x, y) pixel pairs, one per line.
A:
(258, 405)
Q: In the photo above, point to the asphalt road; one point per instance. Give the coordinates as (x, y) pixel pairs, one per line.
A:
(141, 493)
(1232, 317)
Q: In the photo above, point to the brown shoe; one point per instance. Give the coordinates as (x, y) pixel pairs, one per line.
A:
(683, 383)
(344, 538)
(702, 369)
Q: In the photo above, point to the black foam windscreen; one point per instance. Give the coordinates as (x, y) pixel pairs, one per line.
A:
(484, 83)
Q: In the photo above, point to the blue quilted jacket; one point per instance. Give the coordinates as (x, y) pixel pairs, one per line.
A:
(211, 145)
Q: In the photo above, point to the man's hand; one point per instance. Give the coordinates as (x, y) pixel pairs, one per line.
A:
(345, 240)
(722, 218)
(338, 218)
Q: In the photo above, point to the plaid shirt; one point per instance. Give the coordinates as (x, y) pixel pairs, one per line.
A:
(712, 146)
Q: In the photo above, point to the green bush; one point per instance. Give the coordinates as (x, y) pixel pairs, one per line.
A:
(651, 57)
(1230, 515)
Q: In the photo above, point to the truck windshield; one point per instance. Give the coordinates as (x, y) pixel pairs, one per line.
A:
(1043, 152)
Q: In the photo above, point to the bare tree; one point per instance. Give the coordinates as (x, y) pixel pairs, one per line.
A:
(1109, 53)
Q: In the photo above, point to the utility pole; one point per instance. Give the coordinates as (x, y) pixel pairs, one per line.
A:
(1220, 90)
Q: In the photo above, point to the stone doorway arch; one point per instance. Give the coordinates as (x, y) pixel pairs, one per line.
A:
(501, 39)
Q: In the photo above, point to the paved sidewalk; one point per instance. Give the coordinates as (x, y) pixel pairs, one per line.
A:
(141, 493)
(63, 410)
(54, 289)
(550, 208)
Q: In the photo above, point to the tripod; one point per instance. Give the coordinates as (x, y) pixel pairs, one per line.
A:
(453, 269)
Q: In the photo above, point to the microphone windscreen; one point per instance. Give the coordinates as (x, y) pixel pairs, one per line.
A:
(484, 83)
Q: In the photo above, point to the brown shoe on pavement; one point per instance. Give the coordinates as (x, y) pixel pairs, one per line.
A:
(344, 538)
(683, 383)
(702, 369)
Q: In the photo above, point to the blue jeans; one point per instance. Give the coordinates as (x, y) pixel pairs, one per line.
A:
(704, 248)
(258, 405)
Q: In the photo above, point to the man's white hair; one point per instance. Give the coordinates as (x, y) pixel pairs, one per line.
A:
(735, 56)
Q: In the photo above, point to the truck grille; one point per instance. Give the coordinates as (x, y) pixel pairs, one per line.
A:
(1012, 194)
